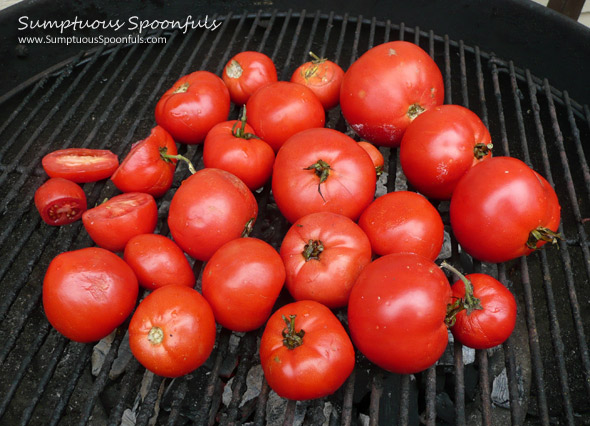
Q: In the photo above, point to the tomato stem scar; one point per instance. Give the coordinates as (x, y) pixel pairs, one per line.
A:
(155, 335)
(291, 338)
(183, 88)
(480, 150)
(414, 111)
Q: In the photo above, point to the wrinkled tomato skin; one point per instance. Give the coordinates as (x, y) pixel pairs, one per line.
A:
(348, 189)
(328, 276)
(380, 89)
(157, 261)
(60, 201)
(319, 366)
(144, 169)
(490, 326)
(88, 293)
(192, 106)
(80, 165)
(187, 331)
(396, 312)
(497, 204)
(279, 110)
(247, 72)
(251, 160)
(113, 223)
(324, 78)
(242, 282)
(403, 221)
(209, 209)
(438, 148)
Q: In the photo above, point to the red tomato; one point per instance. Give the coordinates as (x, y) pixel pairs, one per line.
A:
(396, 312)
(403, 221)
(113, 223)
(80, 164)
(440, 146)
(242, 282)
(247, 72)
(172, 331)
(279, 110)
(305, 352)
(323, 254)
(492, 321)
(192, 106)
(88, 293)
(233, 147)
(209, 209)
(502, 209)
(323, 77)
(60, 201)
(375, 154)
(388, 87)
(158, 261)
(322, 170)
(147, 167)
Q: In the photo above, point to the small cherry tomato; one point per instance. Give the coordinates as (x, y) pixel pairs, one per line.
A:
(172, 331)
(209, 209)
(305, 352)
(233, 147)
(158, 261)
(397, 310)
(192, 106)
(323, 77)
(323, 254)
(279, 110)
(80, 165)
(60, 201)
(113, 223)
(403, 221)
(375, 154)
(440, 145)
(148, 167)
(242, 282)
(87, 293)
(247, 72)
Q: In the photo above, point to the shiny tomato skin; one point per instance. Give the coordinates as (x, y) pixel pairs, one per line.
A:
(172, 331)
(316, 368)
(323, 254)
(112, 223)
(209, 209)
(88, 293)
(80, 165)
(396, 312)
(144, 169)
(192, 106)
(60, 201)
(157, 261)
(324, 78)
(403, 221)
(247, 72)
(242, 282)
(490, 326)
(497, 204)
(386, 88)
(348, 189)
(279, 110)
(251, 159)
(438, 147)
(375, 154)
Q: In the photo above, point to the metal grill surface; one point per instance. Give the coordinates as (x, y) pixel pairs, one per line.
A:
(105, 98)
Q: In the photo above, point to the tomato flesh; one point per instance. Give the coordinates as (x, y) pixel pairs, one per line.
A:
(80, 165)
(60, 201)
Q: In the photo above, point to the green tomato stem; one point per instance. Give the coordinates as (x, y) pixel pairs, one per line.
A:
(168, 158)
(542, 234)
(468, 303)
(291, 338)
(312, 250)
(322, 170)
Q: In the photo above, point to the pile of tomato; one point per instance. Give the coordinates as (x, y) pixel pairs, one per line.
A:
(344, 249)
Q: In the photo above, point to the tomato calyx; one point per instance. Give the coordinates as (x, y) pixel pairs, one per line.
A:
(414, 111)
(291, 338)
(379, 170)
(240, 132)
(310, 71)
(248, 228)
(480, 150)
(322, 170)
(183, 88)
(468, 303)
(312, 250)
(155, 335)
(542, 234)
(168, 158)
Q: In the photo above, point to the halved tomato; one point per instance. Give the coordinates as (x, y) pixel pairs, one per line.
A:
(80, 164)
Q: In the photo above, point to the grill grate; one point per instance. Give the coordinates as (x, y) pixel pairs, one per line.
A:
(104, 99)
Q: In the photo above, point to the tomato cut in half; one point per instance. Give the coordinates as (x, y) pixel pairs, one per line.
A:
(80, 165)
(60, 201)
